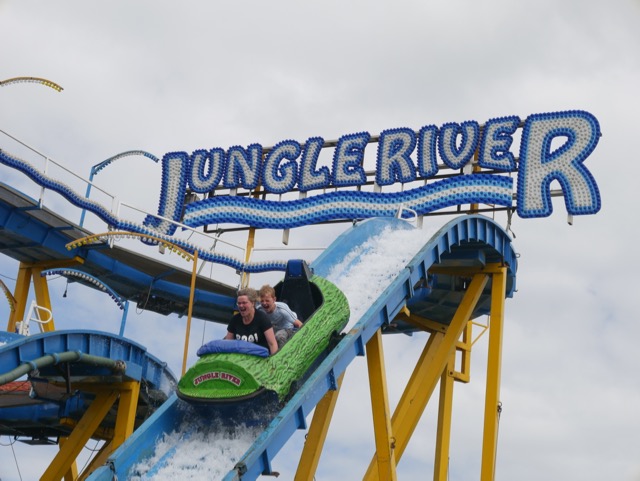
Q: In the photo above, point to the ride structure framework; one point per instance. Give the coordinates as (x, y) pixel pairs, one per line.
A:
(464, 271)
(94, 385)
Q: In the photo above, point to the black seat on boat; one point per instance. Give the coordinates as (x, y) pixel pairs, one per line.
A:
(300, 295)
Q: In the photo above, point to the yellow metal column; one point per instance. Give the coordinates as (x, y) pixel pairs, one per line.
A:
(464, 347)
(72, 473)
(247, 256)
(445, 408)
(187, 334)
(317, 435)
(251, 240)
(125, 424)
(427, 374)
(20, 294)
(80, 435)
(127, 407)
(494, 363)
(43, 299)
(26, 274)
(384, 457)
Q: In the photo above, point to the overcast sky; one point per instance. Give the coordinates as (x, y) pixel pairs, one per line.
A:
(164, 76)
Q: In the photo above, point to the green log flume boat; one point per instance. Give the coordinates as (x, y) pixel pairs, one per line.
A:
(236, 377)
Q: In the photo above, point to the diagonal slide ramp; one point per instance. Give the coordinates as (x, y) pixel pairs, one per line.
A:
(466, 242)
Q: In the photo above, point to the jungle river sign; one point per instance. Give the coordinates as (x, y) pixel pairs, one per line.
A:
(553, 147)
(403, 156)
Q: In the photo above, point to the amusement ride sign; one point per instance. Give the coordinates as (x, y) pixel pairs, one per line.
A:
(553, 147)
(402, 156)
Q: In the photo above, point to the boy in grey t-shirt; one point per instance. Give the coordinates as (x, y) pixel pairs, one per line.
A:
(283, 319)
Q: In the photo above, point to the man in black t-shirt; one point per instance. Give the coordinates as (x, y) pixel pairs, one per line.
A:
(251, 325)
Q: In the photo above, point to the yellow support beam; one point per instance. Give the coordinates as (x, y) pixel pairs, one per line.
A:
(28, 272)
(428, 370)
(126, 416)
(80, 435)
(125, 424)
(493, 268)
(20, 294)
(420, 322)
(127, 394)
(494, 363)
(251, 241)
(314, 442)
(445, 409)
(72, 473)
(43, 299)
(192, 290)
(464, 346)
(384, 457)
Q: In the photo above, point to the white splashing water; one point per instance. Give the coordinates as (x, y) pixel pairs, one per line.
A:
(368, 270)
(363, 275)
(184, 455)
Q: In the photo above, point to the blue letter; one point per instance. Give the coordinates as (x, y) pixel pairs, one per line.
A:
(539, 165)
(495, 144)
(281, 178)
(347, 159)
(427, 160)
(393, 163)
(455, 157)
(243, 168)
(213, 162)
(310, 178)
(174, 185)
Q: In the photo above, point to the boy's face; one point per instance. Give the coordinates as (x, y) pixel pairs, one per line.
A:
(268, 303)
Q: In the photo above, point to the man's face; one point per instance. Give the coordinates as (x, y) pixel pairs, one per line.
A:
(244, 305)
(268, 303)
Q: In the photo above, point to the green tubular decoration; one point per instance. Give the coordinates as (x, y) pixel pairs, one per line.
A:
(229, 376)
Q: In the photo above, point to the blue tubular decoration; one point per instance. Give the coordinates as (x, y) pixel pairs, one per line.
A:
(65, 272)
(478, 188)
(105, 163)
(59, 187)
(482, 188)
(119, 224)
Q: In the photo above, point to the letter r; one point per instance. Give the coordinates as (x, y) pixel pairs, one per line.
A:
(539, 165)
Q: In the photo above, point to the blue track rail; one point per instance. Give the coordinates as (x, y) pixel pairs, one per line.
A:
(41, 416)
(467, 241)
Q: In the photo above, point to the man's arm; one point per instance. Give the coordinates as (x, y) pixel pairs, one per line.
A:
(229, 336)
